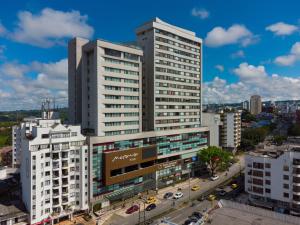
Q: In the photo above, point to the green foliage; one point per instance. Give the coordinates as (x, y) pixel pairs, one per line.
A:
(247, 117)
(215, 158)
(96, 207)
(278, 139)
(294, 130)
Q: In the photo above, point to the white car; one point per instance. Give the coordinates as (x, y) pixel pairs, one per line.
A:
(178, 195)
(214, 177)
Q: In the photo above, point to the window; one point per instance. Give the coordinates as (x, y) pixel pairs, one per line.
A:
(286, 168)
(286, 177)
(112, 52)
(267, 190)
(268, 182)
(45, 136)
(286, 186)
(286, 195)
(131, 56)
(267, 173)
(267, 165)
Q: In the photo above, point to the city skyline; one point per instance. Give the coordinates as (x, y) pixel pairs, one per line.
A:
(243, 54)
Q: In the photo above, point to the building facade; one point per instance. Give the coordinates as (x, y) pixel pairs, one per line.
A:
(54, 169)
(272, 176)
(231, 129)
(133, 163)
(213, 122)
(172, 76)
(255, 104)
(111, 87)
(141, 107)
(246, 105)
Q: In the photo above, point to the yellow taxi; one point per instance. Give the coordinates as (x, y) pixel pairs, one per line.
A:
(195, 188)
(211, 197)
(234, 186)
(151, 200)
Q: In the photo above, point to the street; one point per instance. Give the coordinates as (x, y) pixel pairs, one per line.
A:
(163, 206)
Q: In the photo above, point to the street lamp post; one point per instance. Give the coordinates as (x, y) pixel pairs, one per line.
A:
(189, 185)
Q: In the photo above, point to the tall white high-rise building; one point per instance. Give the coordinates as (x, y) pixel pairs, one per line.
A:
(172, 77)
(109, 97)
(255, 104)
(54, 169)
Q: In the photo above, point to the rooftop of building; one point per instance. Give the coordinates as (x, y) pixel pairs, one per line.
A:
(11, 209)
(240, 214)
(273, 151)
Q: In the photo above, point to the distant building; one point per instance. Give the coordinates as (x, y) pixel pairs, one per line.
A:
(255, 104)
(245, 105)
(214, 123)
(231, 129)
(54, 169)
(272, 177)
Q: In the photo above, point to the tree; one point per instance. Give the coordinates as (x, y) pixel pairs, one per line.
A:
(214, 157)
(278, 139)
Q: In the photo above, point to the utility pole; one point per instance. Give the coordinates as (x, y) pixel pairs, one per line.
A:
(189, 185)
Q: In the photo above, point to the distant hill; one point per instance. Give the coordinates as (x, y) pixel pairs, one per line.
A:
(18, 115)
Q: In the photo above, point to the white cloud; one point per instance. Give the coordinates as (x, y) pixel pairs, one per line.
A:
(13, 69)
(238, 54)
(219, 67)
(251, 80)
(281, 29)
(50, 27)
(250, 72)
(201, 13)
(291, 58)
(236, 34)
(27, 85)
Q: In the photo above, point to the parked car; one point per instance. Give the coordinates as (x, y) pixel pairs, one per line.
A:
(150, 207)
(132, 209)
(222, 193)
(197, 215)
(201, 198)
(234, 186)
(195, 188)
(168, 195)
(193, 219)
(187, 222)
(151, 200)
(211, 197)
(178, 195)
(214, 177)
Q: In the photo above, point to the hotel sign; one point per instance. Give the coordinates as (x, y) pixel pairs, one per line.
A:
(129, 157)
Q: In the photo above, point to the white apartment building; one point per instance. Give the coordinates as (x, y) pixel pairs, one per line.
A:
(172, 76)
(231, 129)
(108, 101)
(16, 146)
(272, 176)
(214, 124)
(27, 125)
(54, 169)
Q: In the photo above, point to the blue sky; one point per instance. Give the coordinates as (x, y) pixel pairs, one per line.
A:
(250, 47)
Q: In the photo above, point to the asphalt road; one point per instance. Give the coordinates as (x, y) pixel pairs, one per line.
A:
(166, 205)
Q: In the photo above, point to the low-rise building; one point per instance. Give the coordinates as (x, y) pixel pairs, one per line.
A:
(54, 169)
(272, 176)
(214, 123)
(130, 164)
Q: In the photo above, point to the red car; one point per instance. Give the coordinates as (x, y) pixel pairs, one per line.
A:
(132, 209)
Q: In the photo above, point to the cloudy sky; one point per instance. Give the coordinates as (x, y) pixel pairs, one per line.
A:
(250, 47)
